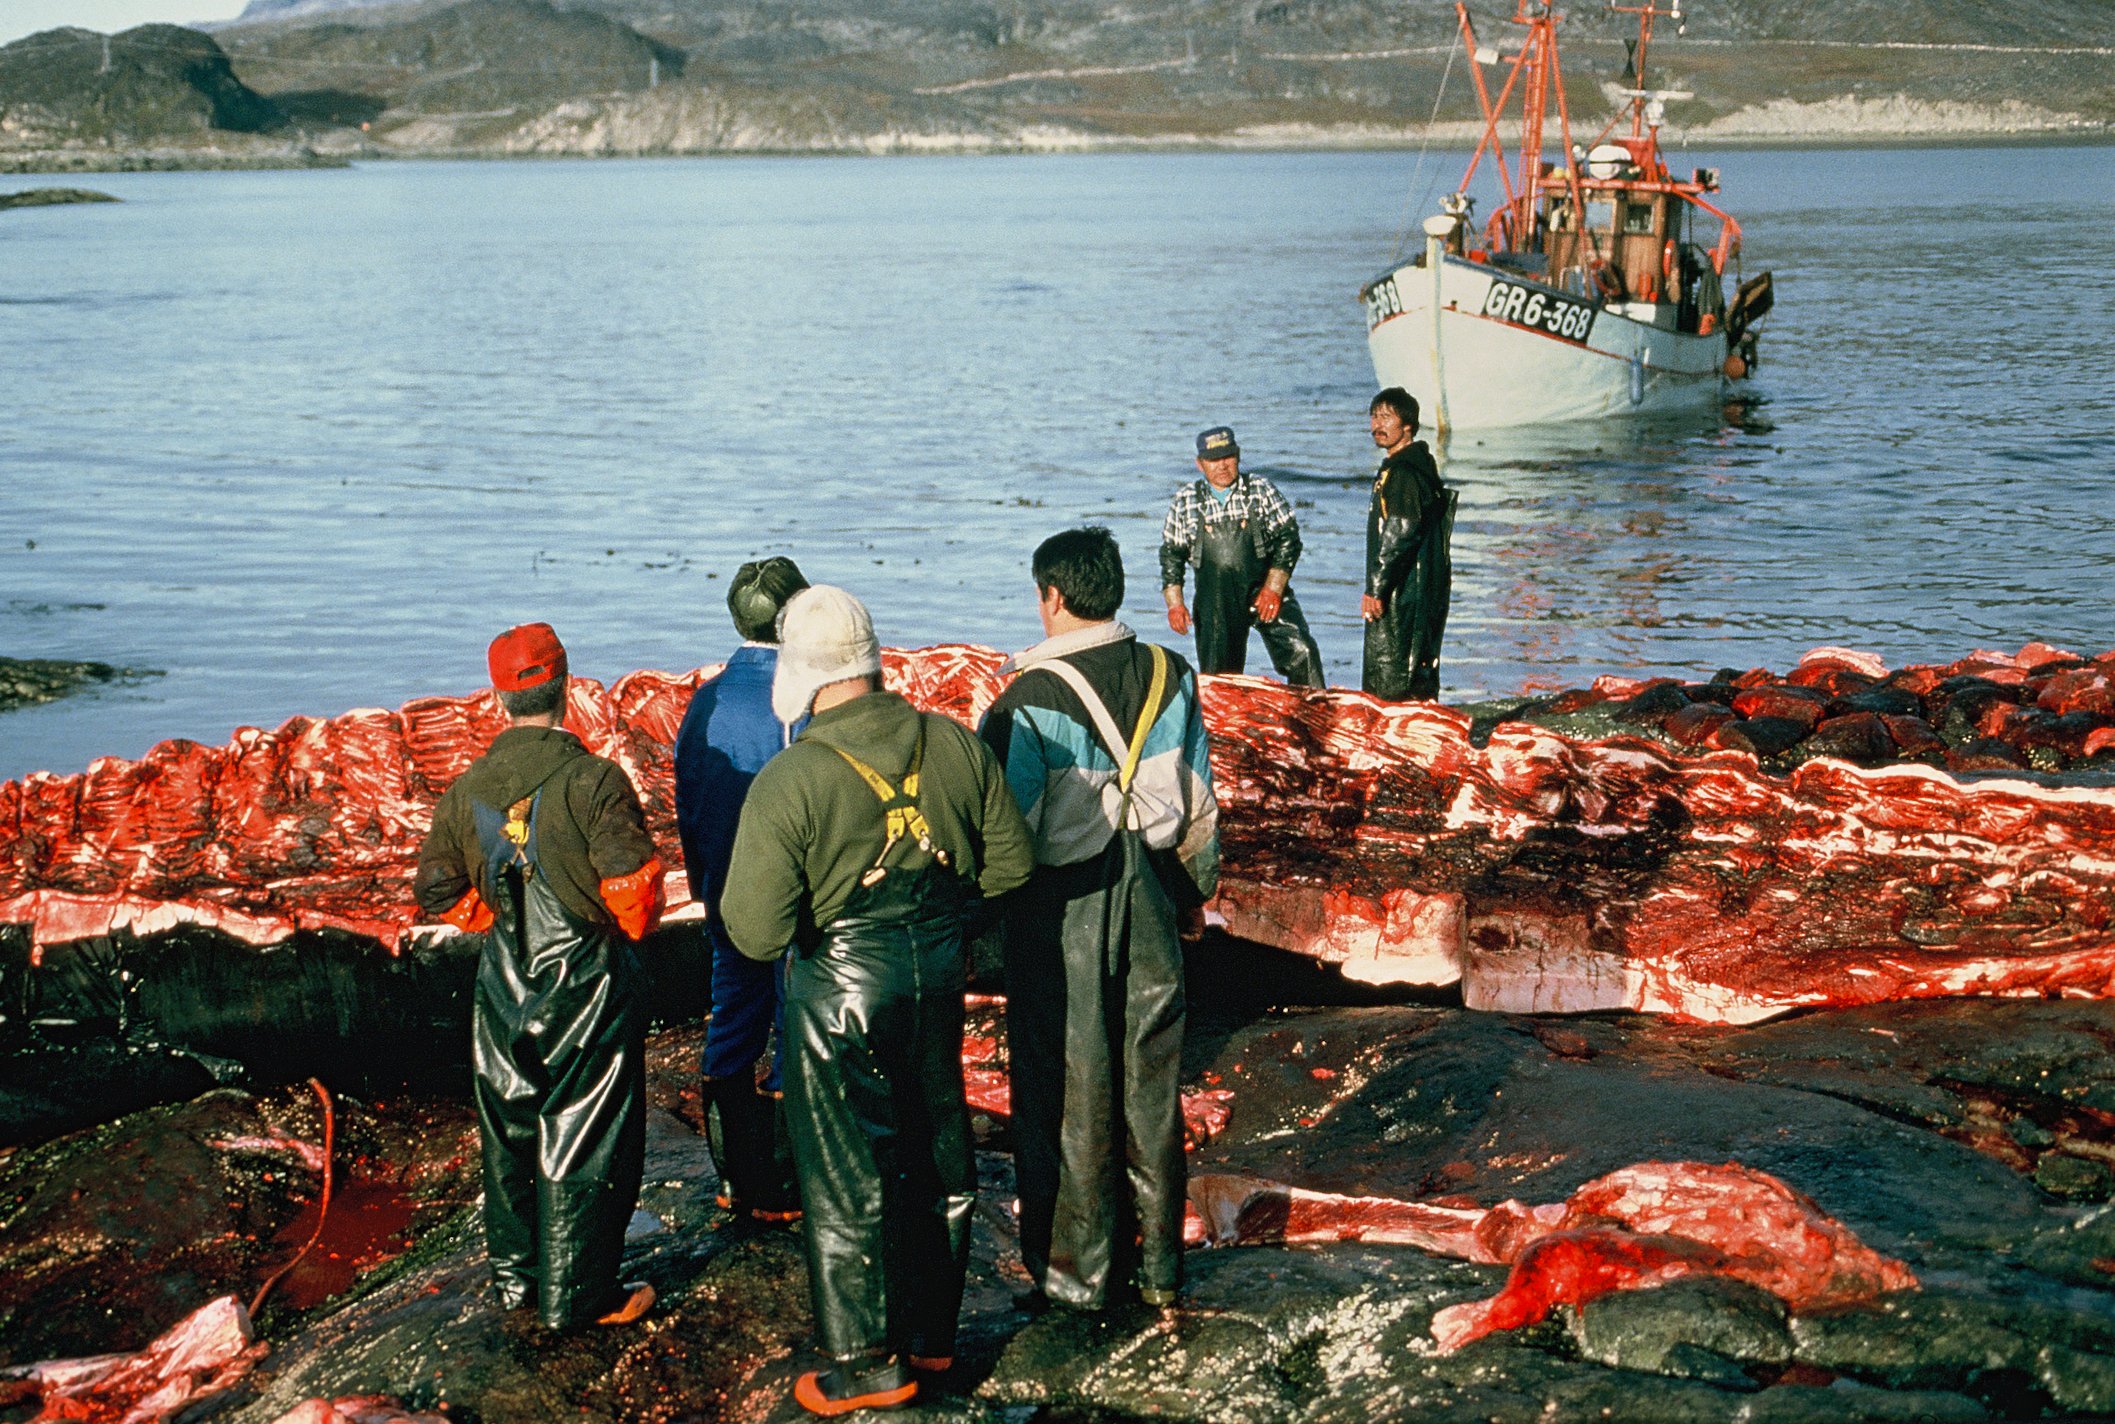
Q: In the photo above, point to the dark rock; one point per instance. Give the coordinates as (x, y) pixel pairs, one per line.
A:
(2081, 1252)
(1652, 704)
(50, 197)
(1984, 754)
(1882, 701)
(2016, 1356)
(1764, 736)
(1959, 705)
(1859, 1109)
(2073, 1178)
(1723, 1321)
(1860, 738)
(25, 682)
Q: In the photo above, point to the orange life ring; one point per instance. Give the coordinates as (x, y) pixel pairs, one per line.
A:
(1608, 281)
(1667, 262)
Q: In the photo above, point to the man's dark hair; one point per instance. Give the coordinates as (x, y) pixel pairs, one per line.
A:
(1086, 567)
(1398, 400)
(534, 701)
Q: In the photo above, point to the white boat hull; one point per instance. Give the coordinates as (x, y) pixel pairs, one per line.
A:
(1497, 349)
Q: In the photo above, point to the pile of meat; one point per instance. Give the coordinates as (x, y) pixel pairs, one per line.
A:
(1651, 860)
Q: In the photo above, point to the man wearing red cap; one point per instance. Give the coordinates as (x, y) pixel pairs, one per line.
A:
(543, 846)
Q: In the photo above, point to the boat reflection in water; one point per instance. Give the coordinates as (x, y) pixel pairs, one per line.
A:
(1602, 285)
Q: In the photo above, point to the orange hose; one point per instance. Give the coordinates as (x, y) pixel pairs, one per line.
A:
(330, 1132)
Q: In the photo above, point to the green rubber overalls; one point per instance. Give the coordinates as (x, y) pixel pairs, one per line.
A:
(874, 1096)
(557, 1045)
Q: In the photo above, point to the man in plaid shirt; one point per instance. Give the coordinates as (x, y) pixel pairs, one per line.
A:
(1240, 533)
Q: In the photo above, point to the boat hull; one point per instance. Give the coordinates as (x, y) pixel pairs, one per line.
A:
(1493, 348)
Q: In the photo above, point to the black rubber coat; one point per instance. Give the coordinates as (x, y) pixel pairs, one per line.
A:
(875, 1109)
(1410, 569)
(1095, 1012)
(1230, 573)
(558, 1049)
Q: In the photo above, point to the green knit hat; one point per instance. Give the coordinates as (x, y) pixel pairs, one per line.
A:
(759, 590)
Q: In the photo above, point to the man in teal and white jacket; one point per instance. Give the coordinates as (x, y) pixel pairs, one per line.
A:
(1104, 746)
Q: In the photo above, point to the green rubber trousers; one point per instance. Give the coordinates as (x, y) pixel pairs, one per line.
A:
(880, 1129)
(1094, 1016)
(558, 1049)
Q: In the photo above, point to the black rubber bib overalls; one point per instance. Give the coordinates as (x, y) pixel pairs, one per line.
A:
(1410, 568)
(557, 1045)
(874, 1097)
(1230, 571)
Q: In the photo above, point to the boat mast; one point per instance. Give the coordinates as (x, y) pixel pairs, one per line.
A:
(1644, 13)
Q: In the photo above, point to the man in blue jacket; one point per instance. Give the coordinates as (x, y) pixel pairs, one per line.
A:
(727, 735)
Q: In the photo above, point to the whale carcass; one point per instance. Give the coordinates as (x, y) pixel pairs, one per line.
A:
(1719, 852)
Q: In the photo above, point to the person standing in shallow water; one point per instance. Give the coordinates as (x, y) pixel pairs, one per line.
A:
(543, 846)
(864, 846)
(1241, 534)
(1105, 749)
(1409, 566)
(729, 732)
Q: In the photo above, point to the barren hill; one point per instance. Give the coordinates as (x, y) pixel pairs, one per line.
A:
(150, 85)
(657, 76)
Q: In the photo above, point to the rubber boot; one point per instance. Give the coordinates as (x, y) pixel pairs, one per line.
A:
(750, 1149)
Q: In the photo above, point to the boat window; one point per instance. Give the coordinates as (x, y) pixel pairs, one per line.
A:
(1600, 214)
(1637, 217)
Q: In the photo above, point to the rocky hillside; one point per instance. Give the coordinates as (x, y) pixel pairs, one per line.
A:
(156, 84)
(655, 76)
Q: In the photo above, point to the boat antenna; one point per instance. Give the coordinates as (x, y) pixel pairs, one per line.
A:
(1646, 108)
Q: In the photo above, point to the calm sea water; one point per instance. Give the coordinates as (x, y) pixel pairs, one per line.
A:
(304, 441)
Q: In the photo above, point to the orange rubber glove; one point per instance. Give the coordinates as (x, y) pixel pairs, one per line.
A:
(637, 899)
(469, 913)
(1178, 618)
(1268, 602)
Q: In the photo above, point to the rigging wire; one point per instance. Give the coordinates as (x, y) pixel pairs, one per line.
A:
(1414, 197)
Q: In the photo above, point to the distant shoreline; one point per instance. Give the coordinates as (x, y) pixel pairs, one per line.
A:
(159, 160)
(168, 160)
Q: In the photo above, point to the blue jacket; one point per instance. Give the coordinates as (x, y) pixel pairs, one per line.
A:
(728, 734)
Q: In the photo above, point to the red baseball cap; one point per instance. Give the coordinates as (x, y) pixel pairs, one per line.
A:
(525, 657)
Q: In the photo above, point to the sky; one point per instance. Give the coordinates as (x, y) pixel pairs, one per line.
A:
(26, 17)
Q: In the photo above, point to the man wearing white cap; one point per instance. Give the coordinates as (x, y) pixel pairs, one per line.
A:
(864, 846)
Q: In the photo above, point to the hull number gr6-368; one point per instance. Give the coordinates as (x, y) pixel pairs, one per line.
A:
(1556, 316)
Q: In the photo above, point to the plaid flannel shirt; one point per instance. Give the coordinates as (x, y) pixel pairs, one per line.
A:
(1252, 498)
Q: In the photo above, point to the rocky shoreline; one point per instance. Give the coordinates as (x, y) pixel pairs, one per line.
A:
(1969, 1139)
(697, 124)
(25, 682)
(98, 159)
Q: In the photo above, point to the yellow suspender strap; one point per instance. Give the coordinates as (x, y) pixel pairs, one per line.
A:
(1146, 714)
(900, 808)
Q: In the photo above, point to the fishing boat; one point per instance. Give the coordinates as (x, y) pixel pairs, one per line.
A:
(1601, 284)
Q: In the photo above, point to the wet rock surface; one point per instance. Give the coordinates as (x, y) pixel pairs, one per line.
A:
(24, 682)
(53, 197)
(1926, 1128)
